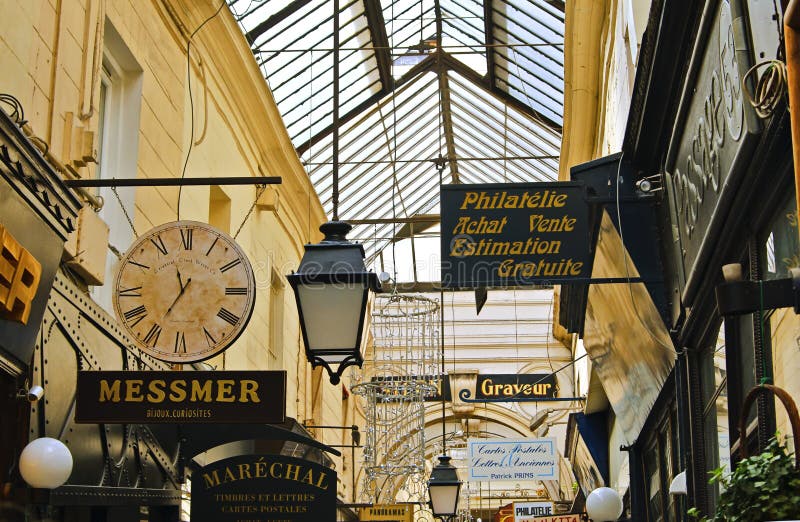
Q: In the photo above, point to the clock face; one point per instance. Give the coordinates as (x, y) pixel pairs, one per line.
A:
(184, 291)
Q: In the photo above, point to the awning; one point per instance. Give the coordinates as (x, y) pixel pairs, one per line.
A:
(622, 323)
(587, 450)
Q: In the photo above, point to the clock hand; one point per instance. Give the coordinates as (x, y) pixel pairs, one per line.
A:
(180, 281)
(183, 289)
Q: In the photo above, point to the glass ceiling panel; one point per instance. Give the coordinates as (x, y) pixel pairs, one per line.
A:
(489, 111)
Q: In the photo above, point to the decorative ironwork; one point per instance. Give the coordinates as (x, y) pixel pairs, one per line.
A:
(403, 367)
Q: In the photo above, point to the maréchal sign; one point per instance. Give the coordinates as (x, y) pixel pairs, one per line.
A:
(501, 235)
(269, 488)
(181, 397)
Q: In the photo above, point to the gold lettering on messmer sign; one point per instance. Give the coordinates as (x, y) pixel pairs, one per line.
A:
(195, 390)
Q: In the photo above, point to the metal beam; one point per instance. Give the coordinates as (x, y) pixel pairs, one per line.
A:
(422, 67)
(488, 38)
(447, 123)
(504, 97)
(172, 182)
(275, 19)
(377, 28)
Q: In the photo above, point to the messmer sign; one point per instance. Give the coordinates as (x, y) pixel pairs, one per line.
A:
(181, 397)
(512, 459)
(503, 234)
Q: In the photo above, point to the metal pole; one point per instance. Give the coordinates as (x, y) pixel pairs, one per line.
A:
(335, 194)
(172, 182)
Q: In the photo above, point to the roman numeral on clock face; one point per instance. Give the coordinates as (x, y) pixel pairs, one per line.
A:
(209, 339)
(159, 244)
(186, 238)
(236, 290)
(130, 292)
(180, 342)
(152, 335)
(138, 313)
(228, 316)
(230, 265)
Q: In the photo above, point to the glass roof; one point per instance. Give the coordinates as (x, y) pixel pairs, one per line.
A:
(430, 92)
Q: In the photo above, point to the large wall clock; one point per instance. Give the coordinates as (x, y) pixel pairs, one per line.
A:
(184, 291)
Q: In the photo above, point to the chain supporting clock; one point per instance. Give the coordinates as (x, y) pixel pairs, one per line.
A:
(184, 291)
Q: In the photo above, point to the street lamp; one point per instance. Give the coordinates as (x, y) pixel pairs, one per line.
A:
(443, 489)
(332, 287)
(603, 505)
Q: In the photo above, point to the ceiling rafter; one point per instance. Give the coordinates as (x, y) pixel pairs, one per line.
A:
(274, 20)
(380, 41)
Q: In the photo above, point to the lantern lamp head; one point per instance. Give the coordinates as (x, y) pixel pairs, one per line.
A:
(443, 489)
(331, 287)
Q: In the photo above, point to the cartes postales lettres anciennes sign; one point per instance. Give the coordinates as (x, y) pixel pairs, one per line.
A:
(271, 488)
(503, 235)
(181, 397)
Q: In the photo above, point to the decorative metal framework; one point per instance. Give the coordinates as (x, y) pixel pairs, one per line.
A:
(404, 367)
(431, 92)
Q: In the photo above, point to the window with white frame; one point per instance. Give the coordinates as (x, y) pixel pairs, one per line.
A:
(119, 107)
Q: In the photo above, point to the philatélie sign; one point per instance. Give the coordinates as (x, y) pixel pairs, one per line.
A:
(526, 511)
(512, 459)
(180, 397)
(501, 235)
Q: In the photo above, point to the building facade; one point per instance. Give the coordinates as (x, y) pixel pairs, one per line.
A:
(115, 89)
(704, 177)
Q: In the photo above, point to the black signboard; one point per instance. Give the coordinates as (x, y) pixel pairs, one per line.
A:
(507, 235)
(493, 387)
(250, 488)
(181, 397)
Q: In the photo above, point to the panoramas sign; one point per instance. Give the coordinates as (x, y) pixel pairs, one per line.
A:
(181, 397)
(507, 235)
(268, 488)
(387, 513)
(512, 459)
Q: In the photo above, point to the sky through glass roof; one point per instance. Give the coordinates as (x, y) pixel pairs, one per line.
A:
(430, 92)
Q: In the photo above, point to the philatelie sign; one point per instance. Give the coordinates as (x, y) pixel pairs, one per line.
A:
(191, 396)
(526, 511)
(269, 488)
(500, 235)
(512, 459)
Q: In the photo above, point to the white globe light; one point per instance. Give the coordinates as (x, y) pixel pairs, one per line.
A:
(603, 505)
(45, 463)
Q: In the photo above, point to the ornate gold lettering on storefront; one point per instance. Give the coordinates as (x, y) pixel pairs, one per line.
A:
(20, 273)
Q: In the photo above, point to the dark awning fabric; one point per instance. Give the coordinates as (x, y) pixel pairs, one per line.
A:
(623, 328)
(587, 450)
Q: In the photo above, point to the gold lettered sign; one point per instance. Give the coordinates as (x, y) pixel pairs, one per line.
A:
(387, 513)
(20, 274)
(268, 488)
(507, 235)
(181, 397)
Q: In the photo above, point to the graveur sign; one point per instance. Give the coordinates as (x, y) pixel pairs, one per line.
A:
(269, 488)
(181, 397)
(505, 235)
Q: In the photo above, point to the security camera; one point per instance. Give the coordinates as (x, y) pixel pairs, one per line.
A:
(34, 393)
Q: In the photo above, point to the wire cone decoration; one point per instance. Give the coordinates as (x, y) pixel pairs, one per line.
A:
(402, 366)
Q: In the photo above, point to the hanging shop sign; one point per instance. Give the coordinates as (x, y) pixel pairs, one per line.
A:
(263, 488)
(20, 273)
(711, 151)
(554, 518)
(387, 513)
(493, 387)
(526, 511)
(181, 397)
(512, 459)
(508, 235)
